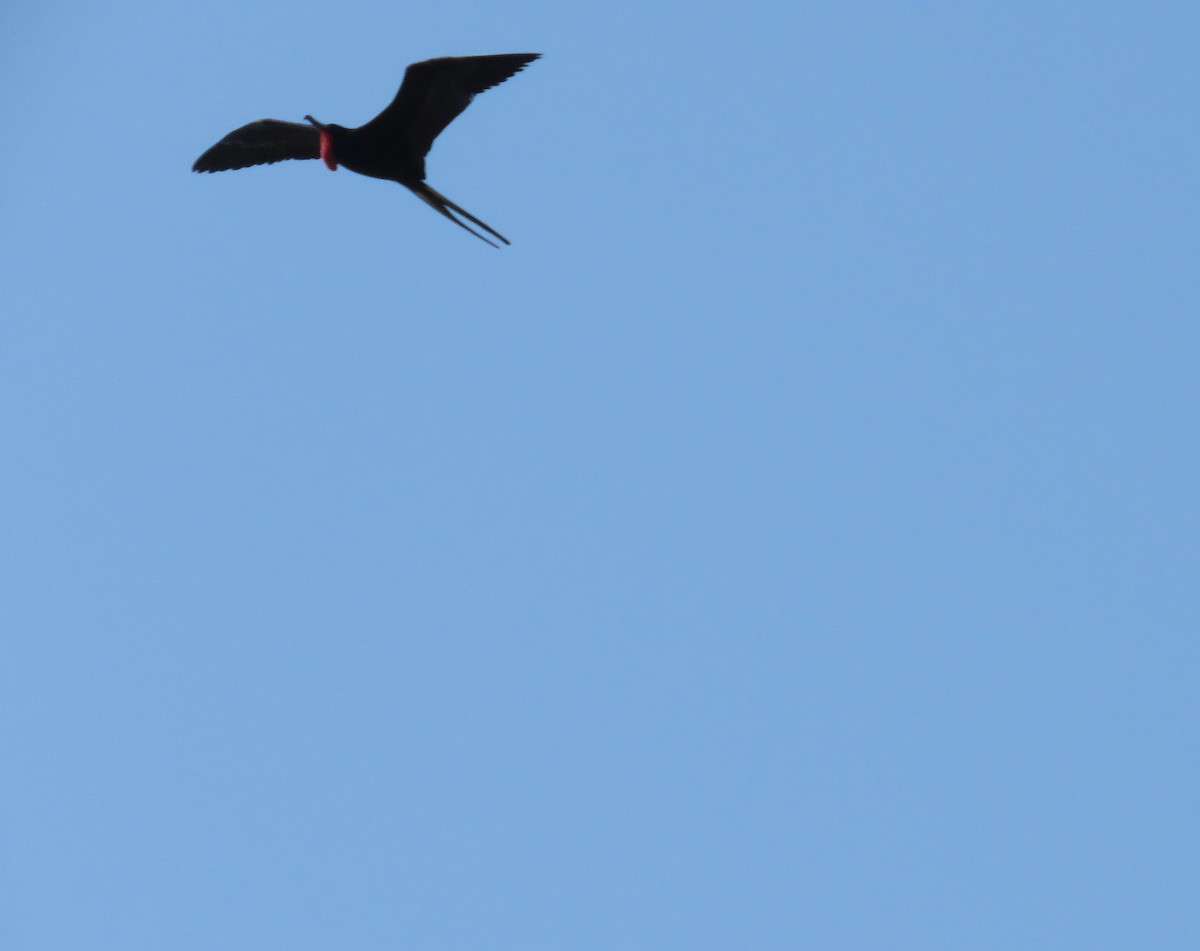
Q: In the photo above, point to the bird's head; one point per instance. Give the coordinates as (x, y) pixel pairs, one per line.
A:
(329, 134)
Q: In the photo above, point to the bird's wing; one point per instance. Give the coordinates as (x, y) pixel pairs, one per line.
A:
(435, 91)
(259, 143)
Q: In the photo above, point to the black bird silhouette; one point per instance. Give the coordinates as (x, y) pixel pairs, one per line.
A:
(394, 144)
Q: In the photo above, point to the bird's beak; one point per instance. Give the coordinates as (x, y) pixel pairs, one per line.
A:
(319, 125)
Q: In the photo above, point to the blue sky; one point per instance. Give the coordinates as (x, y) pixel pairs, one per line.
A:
(789, 542)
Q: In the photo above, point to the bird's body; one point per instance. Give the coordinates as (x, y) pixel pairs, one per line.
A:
(391, 146)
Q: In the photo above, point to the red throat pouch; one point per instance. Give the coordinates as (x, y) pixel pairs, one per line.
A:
(327, 151)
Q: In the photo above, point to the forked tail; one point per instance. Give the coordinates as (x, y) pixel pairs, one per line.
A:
(443, 206)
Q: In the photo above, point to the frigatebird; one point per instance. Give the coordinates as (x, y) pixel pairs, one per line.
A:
(394, 144)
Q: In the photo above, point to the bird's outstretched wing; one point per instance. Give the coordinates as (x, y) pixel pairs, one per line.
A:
(435, 91)
(260, 143)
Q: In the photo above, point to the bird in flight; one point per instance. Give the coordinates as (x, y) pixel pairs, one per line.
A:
(394, 144)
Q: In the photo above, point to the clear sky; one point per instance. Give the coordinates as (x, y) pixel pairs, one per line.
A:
(790, 542)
